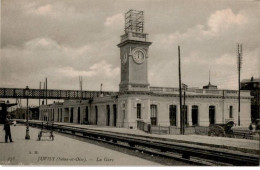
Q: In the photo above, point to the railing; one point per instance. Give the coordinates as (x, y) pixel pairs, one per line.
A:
(160, 129)
(164, 89)
(244, 93)
(143, 126)
(50, 94)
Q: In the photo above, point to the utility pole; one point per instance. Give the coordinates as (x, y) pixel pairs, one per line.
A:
(46, 90)
(80, 86)
(40, 90)
(44, 87)
(180, 94)
(239, 66)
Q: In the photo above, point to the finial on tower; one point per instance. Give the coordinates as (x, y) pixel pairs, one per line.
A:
(209, 76)
(210, 86)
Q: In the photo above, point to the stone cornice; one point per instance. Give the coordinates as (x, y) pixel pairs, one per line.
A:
(133, 42)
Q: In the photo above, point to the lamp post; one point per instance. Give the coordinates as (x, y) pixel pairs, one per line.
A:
(27, 136)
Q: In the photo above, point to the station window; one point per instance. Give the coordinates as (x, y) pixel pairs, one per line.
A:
(86, 114)
(61, 115)
(211, 115)
(123, 114)
(58, 118)
(195, 114)
(138, 111)
(96, 109)
(230, 111)
(153, 109)
(172, 115)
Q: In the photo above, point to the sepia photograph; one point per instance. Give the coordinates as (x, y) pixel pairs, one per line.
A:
(132, 83)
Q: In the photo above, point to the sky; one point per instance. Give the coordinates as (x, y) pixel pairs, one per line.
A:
(65, 39)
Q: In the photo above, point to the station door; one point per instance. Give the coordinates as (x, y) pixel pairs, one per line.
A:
(153, 109)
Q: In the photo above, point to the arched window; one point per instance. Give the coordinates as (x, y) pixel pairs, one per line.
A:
(195, 114)
(71, 115)
(115, 114)
(86, 115)
(211, 115)
(172, 115)
(52, 114)
(61, 115)
(58, 118)
(78, 114)
(230, 111)
(185, 111)
(108, 115)
(153, 109)
(138, 108)
(96, 109)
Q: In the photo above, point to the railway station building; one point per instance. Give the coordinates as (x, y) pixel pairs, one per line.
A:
(137, 101)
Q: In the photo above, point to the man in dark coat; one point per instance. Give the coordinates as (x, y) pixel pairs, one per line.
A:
(7, 129)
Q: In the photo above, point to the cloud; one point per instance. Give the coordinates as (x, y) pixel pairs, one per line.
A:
(71, 72)
(101, 68)
(218, 22)
(44, 10)
(33, 9)
(41, 44)
(55, 10)
(226, 59)
(194, 57)
(44, 57)
(115, 19)
(224, 19)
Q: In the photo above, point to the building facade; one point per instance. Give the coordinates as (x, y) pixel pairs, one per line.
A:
(253, 85)
(138, 101)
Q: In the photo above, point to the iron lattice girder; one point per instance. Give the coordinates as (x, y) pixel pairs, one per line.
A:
(51, 94)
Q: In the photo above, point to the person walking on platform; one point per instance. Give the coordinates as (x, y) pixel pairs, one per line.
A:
(7, 129)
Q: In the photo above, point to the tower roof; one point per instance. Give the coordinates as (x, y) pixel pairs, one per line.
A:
(210, 86)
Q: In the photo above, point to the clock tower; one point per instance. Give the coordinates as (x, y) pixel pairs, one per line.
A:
(134, 47)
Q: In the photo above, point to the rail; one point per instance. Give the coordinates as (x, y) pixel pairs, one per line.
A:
(187, 151)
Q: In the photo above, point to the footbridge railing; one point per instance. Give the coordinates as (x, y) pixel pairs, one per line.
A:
(51, 93)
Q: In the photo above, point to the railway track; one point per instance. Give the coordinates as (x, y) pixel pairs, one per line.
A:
(192, 154)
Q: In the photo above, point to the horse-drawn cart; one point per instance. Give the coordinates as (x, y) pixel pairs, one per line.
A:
(222, 130)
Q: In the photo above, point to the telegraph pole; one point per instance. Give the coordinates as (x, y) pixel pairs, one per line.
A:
(239, 66)
(46, 90)
(43, 88)
(40, 90)
(180, 94)
(80, 86)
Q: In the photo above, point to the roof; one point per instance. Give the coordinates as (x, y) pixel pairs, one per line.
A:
(210, 86)
(251, 80)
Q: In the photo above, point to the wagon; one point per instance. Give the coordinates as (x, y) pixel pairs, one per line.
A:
(46, 132)
(222, 130)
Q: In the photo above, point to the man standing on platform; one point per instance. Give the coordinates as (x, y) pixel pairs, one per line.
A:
(7, 129)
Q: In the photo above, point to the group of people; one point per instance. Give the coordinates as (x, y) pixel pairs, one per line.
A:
(7, 129)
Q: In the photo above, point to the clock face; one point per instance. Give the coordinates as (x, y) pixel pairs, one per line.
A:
(138, 56)
(124, 58)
